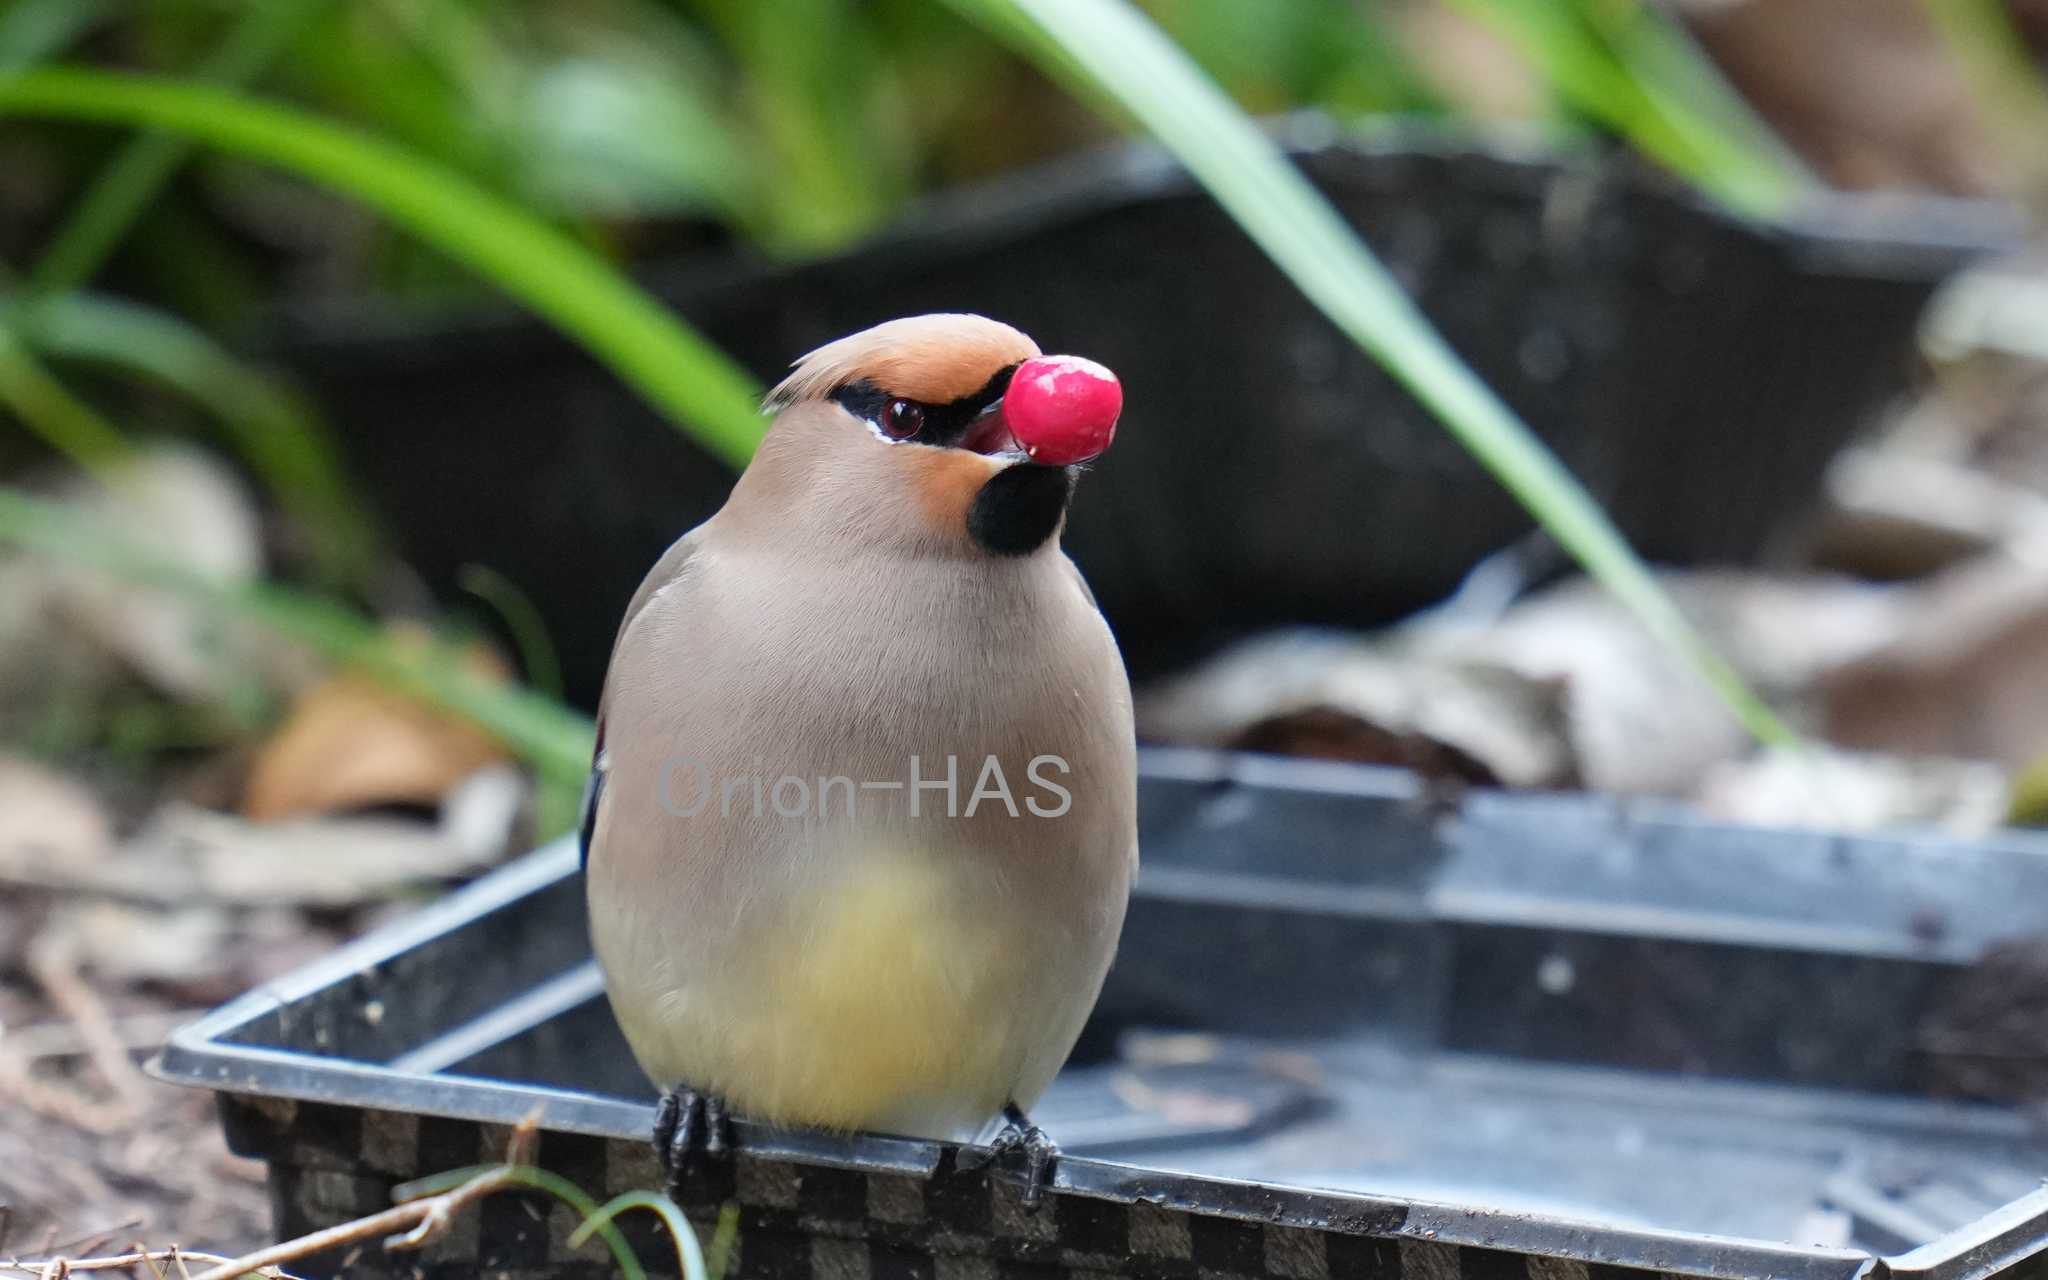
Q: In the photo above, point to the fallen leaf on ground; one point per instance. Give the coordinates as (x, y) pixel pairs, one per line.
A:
(187, 856)
(46, 815)
(1370, 700)
(1966, 675)
(311, 862)
(352, 743)
(195, 515)
(1823, 789)
(1894, 514)
(1639, 719)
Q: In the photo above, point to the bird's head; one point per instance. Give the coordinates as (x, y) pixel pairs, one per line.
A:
(947, 430)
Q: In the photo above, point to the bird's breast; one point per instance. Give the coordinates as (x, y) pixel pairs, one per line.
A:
(886, 993)
(867, 839)
(896, 988)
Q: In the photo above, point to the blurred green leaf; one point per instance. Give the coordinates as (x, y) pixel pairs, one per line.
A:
(555, 740)
(685, 378)
(523, 621)
(1623, 65)
(127, 186)
(2029, 804)
(34, 30)
(618, 133)
(818, 90)
(2006, 79)
(462, 41)
(1662, 56)
(391, 71)
(188, 265)
(1125, 57)
(277, 433)
(607, 109)
(1280, 55)
(49, 410)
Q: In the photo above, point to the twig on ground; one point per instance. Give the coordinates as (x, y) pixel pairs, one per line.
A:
(441, 1209)
(54, 1267)
(525, 1138)
(405, 1226)
(52, 1101)
(420, 1220)
(51, 964)
(39, 1040)
(88, 1243)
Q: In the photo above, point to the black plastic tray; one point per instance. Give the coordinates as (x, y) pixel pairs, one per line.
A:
(1696, 370)
(1532, 1036)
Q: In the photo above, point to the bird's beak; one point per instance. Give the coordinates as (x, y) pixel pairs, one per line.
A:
(988, 433)
(1058, 410)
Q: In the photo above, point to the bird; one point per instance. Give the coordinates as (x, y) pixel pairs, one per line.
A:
(861, 826)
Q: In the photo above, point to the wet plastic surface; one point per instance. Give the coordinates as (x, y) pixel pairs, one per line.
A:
(1551, 1025)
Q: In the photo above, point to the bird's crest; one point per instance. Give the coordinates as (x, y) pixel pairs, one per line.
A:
(933, 359)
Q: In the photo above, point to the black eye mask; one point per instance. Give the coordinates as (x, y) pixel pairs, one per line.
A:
(945, 425)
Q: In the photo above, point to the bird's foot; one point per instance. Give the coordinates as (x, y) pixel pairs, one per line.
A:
(1023, 1143)
(687, 1124)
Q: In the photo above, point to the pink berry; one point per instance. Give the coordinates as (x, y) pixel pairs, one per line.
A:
(1062, 409)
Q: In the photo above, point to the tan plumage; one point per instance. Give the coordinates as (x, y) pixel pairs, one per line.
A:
(858, 966)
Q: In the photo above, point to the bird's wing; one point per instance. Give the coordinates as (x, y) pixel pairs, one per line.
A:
(593, 791)
(666, 571)
(1087, 592)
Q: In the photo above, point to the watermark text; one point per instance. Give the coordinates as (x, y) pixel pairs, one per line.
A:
(933, 787)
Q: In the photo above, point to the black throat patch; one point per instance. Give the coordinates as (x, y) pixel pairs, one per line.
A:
(1020, 508)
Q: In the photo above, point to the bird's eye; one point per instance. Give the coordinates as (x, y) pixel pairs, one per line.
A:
(902, 419)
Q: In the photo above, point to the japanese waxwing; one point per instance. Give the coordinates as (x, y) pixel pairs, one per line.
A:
(862, 823)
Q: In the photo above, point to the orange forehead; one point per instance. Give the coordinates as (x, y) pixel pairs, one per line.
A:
(934, 359)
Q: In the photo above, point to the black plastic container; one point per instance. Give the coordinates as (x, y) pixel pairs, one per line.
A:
(1537, 1038)
(1696, 370)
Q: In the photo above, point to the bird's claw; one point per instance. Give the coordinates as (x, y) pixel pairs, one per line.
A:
(686, 1124)
(1019, 1142)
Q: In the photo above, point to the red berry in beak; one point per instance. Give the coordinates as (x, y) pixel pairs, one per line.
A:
(1062, 409)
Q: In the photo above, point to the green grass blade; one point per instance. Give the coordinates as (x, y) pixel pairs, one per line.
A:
(132, 180)
(1643, 81)
(279, 435)
(555, 740)
(579, 1201)
(1662, 55)
(523, 622)
(718, 1257)
(689, 1257)
(63, 421)
(812, 80)
(686, 379)
(32, 30)
(2007, 82)
(1125, 55)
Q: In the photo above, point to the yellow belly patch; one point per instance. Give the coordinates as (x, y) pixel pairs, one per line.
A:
(878, 1000)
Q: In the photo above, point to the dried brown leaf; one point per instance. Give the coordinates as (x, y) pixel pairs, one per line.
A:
(351, 743)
